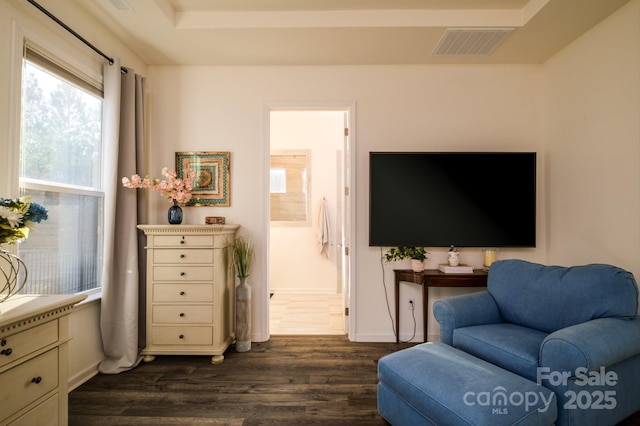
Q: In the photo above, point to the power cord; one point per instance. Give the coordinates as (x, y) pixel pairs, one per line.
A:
(413, 315)
(386, 296)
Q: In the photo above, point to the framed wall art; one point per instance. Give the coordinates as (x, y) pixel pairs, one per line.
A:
(212, 186)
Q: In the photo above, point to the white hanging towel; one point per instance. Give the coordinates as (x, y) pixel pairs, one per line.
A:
(323, 232)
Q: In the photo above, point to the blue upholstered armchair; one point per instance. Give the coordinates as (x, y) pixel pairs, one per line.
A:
(574, 330)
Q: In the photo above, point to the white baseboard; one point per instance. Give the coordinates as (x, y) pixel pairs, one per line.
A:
(83, 376)
(383, 338)
(303, 291)
(434, 337)
(373, 338)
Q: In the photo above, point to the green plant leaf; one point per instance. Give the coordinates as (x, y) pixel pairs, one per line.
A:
(242, 256)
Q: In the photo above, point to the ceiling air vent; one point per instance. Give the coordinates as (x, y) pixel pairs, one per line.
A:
(470, 41)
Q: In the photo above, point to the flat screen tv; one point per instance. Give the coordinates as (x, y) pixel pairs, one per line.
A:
(466, 199)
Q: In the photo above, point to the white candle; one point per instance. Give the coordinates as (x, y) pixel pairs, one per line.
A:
(489, 257)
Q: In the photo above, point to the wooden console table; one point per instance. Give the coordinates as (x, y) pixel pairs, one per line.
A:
(433, 278)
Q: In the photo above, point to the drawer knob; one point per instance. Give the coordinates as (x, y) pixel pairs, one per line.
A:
(181, 336)
(182, 293)
(181, 314)
(36, 380)
(182, 274)
(6, 352)
(182, 256)
(3, 342)
(181, 241)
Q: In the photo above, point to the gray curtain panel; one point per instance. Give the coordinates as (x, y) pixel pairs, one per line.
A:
(121, 317)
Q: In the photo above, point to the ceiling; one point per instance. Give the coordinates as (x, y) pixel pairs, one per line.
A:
(341, 32)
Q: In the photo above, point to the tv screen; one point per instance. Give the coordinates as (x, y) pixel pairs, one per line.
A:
(479, 199)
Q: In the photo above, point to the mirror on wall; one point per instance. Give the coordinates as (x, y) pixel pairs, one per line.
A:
(289, 187)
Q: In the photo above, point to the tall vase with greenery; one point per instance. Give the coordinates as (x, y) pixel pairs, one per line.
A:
(416, 254)
(242, 259)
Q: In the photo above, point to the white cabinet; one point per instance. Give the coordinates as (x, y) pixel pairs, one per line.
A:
(34, 359)
(190, 290)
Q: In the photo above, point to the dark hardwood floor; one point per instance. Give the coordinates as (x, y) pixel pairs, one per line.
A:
(287, 380)
(292, 380)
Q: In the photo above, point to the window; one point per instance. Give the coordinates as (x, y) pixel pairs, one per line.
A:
(278, 180)
(289, 187)
(60, 168)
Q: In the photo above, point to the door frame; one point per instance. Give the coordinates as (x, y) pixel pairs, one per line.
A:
(350, 109)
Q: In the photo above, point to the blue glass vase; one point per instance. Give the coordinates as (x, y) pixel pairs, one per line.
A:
(175, 214)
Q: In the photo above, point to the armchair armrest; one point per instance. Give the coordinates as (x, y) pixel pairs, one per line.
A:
(593, 344)
(463, 311)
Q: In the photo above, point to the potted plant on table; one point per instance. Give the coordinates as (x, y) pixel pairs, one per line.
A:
(416, 254)
(242, 258)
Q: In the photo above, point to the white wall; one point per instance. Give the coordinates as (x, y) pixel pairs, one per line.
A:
(85, 347)
(397, 108)
(592, 145)
(296, 265)
(580, 111)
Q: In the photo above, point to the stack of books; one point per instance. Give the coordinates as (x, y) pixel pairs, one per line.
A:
(460, 269)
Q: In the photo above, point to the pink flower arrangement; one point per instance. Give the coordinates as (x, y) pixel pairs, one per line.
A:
(175, 189)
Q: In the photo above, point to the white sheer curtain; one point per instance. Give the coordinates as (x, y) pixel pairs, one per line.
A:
(121, 320)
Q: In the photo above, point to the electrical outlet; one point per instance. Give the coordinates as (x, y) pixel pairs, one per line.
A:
(411, 304)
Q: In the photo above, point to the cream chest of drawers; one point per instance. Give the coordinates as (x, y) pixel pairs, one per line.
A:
(34, 359)
(190, 290)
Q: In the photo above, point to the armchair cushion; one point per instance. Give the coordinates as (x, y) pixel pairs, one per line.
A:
(512, 347)
(550, 298)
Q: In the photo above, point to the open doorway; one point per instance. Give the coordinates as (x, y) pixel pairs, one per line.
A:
(308, 272)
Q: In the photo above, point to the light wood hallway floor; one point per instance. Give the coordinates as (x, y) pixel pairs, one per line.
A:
(306, 314)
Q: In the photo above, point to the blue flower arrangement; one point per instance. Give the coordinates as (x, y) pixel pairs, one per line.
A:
(17, 218)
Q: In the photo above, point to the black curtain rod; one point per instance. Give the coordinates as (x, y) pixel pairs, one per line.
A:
(75, 34)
